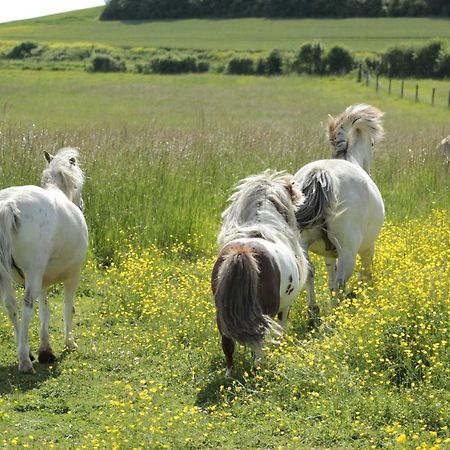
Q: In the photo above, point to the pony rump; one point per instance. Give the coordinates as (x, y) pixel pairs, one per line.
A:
(318, 191)
(239, 314)
(64, 172)
(350, 126)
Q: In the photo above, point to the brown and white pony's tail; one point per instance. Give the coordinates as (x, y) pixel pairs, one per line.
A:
(9, 219)
(317, 188)
(357, 122)
(239, 313)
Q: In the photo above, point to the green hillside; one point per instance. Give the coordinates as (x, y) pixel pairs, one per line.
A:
(238, 34)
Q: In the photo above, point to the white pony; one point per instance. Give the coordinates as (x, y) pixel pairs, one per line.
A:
(343, 210)
(261, 267)
(43, 241)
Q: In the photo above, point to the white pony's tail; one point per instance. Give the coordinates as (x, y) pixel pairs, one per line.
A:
(239, 314)
(9, 221)
(357, 122)
(317, 188)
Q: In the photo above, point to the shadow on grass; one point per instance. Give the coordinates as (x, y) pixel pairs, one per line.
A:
(12, 380)
(216, 390)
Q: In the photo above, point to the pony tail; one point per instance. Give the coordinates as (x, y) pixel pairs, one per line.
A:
(239, 314)
(9, 221)
(318, 192)
(362, 118)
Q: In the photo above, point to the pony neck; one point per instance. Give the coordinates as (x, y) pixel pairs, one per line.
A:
(68, 192)
(361, 152)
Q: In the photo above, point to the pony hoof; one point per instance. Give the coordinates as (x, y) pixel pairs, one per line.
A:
(228, 373)
(71, 346)
(46, 357)
(26, 368)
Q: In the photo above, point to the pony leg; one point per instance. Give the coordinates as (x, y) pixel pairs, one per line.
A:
(331, 270)
(367, 263)
(45, 352)
(228, 349)
(70, 288)
(313, 308)
(258, 354)
(32, 289)
(345, 266)
(9, 301)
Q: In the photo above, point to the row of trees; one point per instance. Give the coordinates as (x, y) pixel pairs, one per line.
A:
(175, 9)
(429, 61)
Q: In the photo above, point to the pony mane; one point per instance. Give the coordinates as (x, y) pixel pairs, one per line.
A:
(263, 205)
(64, 172)
(343, 129)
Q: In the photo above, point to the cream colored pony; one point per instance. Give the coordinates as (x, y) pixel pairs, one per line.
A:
(43, 241)
(343, 211)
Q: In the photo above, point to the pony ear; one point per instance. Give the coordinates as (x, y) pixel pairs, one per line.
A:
(48, 156)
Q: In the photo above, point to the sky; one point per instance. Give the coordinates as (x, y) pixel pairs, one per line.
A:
(27, 9)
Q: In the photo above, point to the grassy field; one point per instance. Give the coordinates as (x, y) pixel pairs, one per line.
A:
(161, 155)
(362, 35)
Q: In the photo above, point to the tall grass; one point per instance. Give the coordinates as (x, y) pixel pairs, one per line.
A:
(165, 173)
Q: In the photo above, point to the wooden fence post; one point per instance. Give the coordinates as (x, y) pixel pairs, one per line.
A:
(448, 104)
(402, 89)
(359, 74)
(389, 88)
(432, 96)
(376, 84)
(367, 78)
(417, 92)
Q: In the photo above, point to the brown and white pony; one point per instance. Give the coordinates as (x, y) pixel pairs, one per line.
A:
(261, 266)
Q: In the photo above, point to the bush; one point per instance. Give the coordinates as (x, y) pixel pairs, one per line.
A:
(398, 62)
(444, 66)
(274, 63)
(174, 65)
(427, 60)
(310, 59)
(338, 60)
(241, 66)
(106, 63)
(24, 50)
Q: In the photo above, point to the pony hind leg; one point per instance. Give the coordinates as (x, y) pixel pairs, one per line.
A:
(345, 267)
(313, 307)
(32, 289)
(331, 270)
(9, 300)
(70, 289)
(228, 349)
(45, 352)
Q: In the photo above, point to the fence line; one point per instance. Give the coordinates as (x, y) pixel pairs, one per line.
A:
(380, 85)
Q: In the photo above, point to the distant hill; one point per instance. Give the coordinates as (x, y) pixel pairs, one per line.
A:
(248, 34)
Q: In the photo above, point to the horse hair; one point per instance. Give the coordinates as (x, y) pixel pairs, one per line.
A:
(239, 314)
(64, 172)
(362, 118)
(318, 193)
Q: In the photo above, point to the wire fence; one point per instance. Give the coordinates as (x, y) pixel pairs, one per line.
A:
(426, 92)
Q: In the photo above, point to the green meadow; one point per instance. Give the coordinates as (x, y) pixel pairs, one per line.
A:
(361, 35)
(161, 156)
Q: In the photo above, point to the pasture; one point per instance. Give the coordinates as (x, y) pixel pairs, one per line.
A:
(161, 155)
(360, 34)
